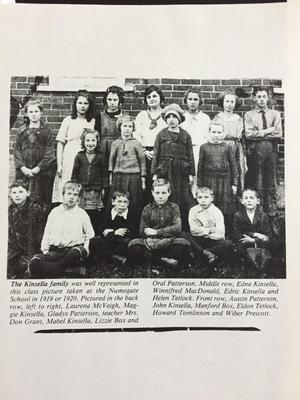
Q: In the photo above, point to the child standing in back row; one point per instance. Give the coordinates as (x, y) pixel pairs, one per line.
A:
(262, 130)
(106, 121)
(196, 124)
(127, 164)
(34, 151)
(217, 170)
(69, 140)
(148, 124)
(233, 130)
(90, 171)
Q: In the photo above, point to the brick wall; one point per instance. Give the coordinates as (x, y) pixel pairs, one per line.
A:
(57, 105)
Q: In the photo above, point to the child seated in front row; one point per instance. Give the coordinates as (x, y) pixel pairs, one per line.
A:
(118, 229)
(65, 244)
(207, 228)
(25, 229)
(252, 233)
(160, 227)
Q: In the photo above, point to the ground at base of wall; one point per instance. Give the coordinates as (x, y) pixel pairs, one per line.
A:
(220, 270)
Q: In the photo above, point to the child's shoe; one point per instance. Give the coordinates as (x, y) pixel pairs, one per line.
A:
(210, 257)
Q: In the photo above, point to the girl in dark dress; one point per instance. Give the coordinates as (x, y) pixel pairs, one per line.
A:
(90, 171)
(173, 160)
(34, 151)
(106, 121)
(217, 169)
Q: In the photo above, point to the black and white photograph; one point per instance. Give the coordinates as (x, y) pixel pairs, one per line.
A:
(133, 177)
(150, 164)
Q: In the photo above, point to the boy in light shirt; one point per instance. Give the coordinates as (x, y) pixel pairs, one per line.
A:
(207, 228)
(67, 234)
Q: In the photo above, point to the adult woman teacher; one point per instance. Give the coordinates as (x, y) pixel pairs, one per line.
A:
(148, 124)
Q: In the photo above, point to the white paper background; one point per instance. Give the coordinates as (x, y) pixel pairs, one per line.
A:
(168, 41)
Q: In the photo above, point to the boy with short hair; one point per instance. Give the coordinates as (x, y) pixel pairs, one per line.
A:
(262, 130)
(160, 227)
(252, 230)
(25, 229)
(118, 228)
(67, 234)
(207, 228)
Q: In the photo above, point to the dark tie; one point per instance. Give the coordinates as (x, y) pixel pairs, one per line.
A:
(263, 117)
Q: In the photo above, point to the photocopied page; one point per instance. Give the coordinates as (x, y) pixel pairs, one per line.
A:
(150, 202)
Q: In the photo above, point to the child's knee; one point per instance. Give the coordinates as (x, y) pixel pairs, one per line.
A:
(227, 244)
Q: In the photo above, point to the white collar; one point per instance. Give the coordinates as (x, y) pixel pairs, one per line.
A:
(114, 214)
(200, 209)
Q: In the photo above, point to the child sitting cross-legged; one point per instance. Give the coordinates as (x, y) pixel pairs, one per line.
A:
(252, 234)
(118, 229)
(207, 228)
(65, 244)
(160, 228)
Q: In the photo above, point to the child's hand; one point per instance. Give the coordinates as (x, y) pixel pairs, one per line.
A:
(27, 172)
(36, 170)
(110, 179)
(150, 232)
(148, 154)
(143, 183)
(154, 177)
(107, 231)
(247, 239)
(121, 231)
(234, 189)
(260, 236)
(191, 179)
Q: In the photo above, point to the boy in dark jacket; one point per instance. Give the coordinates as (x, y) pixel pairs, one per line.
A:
(252, 232)
(160, 228)
(25, 230)
(116, 232)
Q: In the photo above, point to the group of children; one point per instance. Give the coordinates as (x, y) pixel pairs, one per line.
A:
(128, 187)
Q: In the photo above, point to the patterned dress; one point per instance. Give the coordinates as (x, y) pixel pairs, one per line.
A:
(34, 147)
(106, 126)
(233, 129)
(128, 165)
(217, 170)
